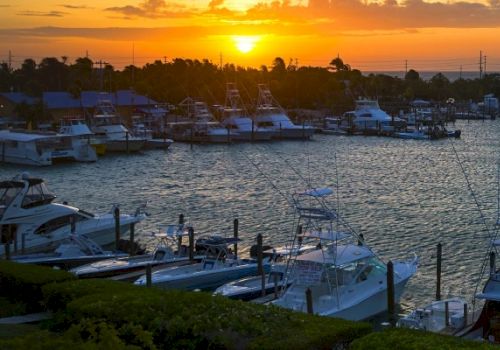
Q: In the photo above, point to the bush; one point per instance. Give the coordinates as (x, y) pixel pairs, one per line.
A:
(407, 339)
(23, 282)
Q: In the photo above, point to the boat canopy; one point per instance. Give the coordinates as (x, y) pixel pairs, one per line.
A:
(329, 235)
(338, 255)
(317, 192)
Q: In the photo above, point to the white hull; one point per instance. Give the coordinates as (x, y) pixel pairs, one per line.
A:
(124, 145)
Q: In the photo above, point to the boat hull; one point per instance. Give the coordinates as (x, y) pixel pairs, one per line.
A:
(124, 145)
(297, 133)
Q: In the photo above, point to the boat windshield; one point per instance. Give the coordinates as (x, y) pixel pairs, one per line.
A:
(8, 191)
(37, 194)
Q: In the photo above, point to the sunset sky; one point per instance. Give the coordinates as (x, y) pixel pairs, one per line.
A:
(369, 35)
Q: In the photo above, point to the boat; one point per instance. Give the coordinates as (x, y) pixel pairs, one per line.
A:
(77, 127)
(369, 118)
(217, 267)
(271, 116)
(73, 251)
(344, 277)
(106, 123)
(37, 224)
(139, 130)
(169, 251)
(249, 288)
(235, 119)
(42, 148)
(439, 317)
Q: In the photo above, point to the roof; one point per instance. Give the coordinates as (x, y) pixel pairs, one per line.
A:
(338, 255)
(19, 97)
(119, 98)
(60, 100)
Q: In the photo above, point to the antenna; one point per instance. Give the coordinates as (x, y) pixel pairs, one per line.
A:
(480, 64)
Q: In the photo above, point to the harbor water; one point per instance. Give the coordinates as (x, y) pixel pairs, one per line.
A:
(403, 195)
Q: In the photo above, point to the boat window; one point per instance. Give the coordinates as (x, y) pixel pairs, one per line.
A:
(365, 115)
(37, 194)
(55, 224)
(7, 195)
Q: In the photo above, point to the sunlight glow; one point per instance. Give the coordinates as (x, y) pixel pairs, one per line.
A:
(245, 43)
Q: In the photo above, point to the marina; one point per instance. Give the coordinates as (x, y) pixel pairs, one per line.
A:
(393, 191)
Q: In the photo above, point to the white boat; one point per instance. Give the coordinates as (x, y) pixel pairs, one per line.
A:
(38, 224)
(271, 116)
(249, 288)
(235, 119)
(139, 130)
(74, 251)
(368, 117)
(169, 251)
(42, 148)
(78, 128)
(333, 126)
(439, 316)
(216, 268)
(106, 123)
(345, 277)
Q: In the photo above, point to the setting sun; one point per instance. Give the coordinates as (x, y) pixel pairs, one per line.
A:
(245, 44)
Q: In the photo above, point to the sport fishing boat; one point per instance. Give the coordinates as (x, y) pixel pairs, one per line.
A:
(169, 251)
(345, 278)
(217, 267)
(271, 116)
(37, 224)
(77, 127)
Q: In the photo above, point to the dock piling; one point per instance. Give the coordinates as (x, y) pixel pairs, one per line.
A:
(275, 280)
(148, 276)
(492, 263)
(438, 272)
(446, 314)
(235, 235)
(132, 233)
(390, 292)
(465, 314)
(309, 301)
(259, 254)
(116, 214)
(191, 244)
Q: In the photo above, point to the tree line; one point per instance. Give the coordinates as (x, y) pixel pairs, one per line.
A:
(331, 88)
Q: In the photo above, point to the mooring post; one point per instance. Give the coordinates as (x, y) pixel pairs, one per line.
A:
(390, 292)
(446, 314)
(492, 263)
(191, 243)
(465, 314)
(72, 223)
(261, 265)
(361, 239)
(181, 228)
(275, 280)
(116, 214)
(299, 235)
(259, 254)
(228, 135)
(309, 300)
(126, 141)
(253, 131)
(13, 235)
(132, 233)
(23, 243)
(235, 235)
(438, 272)
(148, 276)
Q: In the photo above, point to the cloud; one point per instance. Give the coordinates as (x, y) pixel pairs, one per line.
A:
(215, 3)
(42, 14)
(152, 9)
(74, 7)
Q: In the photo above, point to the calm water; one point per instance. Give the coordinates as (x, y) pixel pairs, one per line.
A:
(403, 195)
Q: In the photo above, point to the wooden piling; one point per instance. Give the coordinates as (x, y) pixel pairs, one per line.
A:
(259, 254)
(361, 239)
(126, 141)
(390, 292)
(446, 314)
(191, 243)
(253, 131)
(309, 300)
(235, 235)
(179, 239)
(132, 233)
(438, 272)
(275, 280)
(116, 214)
(23, 243)
(148, 276)
(465, 314)
(492, 263)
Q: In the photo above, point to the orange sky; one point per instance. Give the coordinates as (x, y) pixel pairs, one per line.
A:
(369, 35)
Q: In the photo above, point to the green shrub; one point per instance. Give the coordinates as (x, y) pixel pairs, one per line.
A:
(407, 339)
(23, 282)
(8, 308)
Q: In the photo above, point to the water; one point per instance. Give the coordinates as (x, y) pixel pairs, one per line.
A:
(403, 195)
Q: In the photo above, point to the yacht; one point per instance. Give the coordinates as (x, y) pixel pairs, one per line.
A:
(345, 278)
(235, 119)
(78, 128)
(42, 148)
(368, 117)
(271, 116)
(217, 267)
(37, 224)
(107, 123)
(139, 130)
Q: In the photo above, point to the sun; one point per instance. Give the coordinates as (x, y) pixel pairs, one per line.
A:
(245, 43)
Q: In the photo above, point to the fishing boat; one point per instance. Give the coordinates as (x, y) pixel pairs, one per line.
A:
(169, 251)
(139, 130)
(73, 251)
(77, 127)
(271, 116)
(235, 119)
(42, 148)
(30, 217)
(343, 277)
(217, 267)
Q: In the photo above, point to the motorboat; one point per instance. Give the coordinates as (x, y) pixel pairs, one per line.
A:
(332, 126)
(249, 288)
(77, 127)
(42, 148)
(369, 118)
(235, 119)
(344, 277)
(107, 123)
(271, 116)
(139, 130)
(169, 251)
(37, 224)
(439, 316)
(73, 251)
(217, 267)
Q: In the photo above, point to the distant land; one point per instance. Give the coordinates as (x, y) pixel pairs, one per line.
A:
(427, 75)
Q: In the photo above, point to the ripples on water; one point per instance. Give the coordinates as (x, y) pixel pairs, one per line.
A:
(403, 195)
